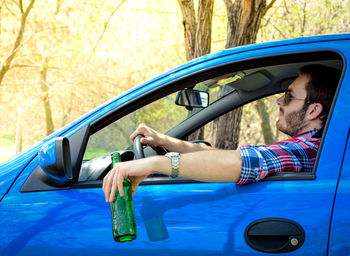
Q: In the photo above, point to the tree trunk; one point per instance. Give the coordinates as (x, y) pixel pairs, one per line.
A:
(190, 24)
(244, 18)
(197, 30)
(223, 127)
(18, 139)
(269, 138)
(204, 28)
(197, 33)
(46, 98)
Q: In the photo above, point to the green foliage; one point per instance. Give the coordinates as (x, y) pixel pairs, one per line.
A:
(251, 126)
(200, 87)
(297, 18)
(161, 115)
(87, 67)
(92, 153)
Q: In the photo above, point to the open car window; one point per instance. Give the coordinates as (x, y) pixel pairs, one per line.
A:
(248, 87)
(160, 114)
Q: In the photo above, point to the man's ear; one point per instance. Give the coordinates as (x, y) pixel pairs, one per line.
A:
(314, 111)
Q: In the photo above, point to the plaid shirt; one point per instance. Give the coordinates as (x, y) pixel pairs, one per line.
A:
(293, 155)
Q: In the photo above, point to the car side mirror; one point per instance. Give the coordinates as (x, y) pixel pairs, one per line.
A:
(55, 160)
(192, 98)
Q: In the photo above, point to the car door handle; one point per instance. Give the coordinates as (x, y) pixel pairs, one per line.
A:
(274, 235)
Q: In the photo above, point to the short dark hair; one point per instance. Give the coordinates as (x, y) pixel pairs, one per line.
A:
(321, 86)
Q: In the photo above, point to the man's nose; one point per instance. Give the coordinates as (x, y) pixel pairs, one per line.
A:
(280, 101)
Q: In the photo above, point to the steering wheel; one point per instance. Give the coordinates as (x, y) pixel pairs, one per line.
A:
(139, 148)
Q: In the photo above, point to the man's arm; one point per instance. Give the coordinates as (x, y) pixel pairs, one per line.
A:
(156, 139)
(208, 166)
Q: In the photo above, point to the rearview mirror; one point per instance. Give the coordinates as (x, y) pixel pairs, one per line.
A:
(55, 160)
(192, 98)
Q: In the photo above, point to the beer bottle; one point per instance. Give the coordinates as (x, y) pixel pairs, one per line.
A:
(122, 211)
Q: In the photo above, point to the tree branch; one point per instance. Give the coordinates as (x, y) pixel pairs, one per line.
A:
(34, 66)
(303, 24)
(102, 34)
(21, 6)
(106, 25)
(58, 6)
(2, 3)
(7, 63)
(269, 6)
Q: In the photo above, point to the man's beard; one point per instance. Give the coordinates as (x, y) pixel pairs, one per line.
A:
(294, 123)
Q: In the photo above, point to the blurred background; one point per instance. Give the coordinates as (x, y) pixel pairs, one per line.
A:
(60, 59)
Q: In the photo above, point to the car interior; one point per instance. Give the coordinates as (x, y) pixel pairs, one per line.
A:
(245, 81)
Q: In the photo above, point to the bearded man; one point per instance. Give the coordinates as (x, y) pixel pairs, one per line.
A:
(303, 111)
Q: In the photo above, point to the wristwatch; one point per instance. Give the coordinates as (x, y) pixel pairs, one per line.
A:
(174, 157)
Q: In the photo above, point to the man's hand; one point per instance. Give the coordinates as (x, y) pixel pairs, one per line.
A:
(136, 171)
(150, 136)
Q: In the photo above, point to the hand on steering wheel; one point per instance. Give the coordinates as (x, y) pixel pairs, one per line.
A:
(139, 148)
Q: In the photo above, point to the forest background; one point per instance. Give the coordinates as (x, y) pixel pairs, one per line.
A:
(68, 57)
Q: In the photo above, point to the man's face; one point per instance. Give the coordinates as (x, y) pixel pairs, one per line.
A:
(292, 116)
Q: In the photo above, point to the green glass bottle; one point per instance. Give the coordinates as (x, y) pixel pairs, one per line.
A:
(122, 211)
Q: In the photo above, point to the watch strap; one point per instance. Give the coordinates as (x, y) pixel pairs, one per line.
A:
(174, 157)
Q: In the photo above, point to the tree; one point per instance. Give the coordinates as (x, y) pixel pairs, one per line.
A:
(46, 66)
(243, 22)
(45, 97)
(197, 29)
(6, 65)
(197, 33)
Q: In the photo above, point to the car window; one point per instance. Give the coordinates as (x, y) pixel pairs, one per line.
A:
(251, 127)
(227, 91)
(219, 86)
(161, 115)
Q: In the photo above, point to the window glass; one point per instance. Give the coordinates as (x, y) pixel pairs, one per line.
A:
(160, 115)
(258, 123)
(253, 127)
(219, 86)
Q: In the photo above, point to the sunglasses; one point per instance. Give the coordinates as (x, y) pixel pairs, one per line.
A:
(288, 98)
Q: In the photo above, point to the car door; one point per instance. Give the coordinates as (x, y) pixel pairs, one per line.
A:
(339, 242)
(179, 217)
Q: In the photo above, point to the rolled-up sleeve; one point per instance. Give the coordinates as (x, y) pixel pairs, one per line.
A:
(295, 155)
(257, 163)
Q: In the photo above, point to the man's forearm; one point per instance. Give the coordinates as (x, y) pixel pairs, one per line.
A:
(208, 166)
(181, 146)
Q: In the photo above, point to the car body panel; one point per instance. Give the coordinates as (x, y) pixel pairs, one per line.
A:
(10, 170)
(196, 217)
(200, 218)
(339, 240)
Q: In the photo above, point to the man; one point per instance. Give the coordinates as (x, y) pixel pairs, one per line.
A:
(303, 111)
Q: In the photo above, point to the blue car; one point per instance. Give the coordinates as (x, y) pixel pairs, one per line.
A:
(51, 201)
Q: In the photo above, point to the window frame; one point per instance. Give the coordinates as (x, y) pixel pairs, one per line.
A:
(35, 181)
